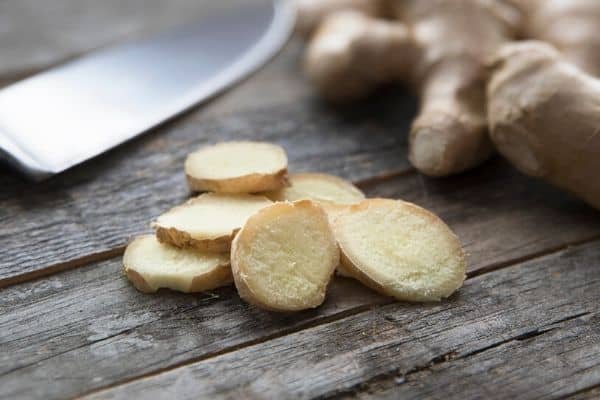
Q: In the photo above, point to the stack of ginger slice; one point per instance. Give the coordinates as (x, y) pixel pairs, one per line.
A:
(281, 237)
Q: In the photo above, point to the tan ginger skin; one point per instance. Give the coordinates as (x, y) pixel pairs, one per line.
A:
(572, 26)
(544, 117)
(440, 47)
(312, 12)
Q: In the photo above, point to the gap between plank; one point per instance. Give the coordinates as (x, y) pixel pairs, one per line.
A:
(336, 317)
(581, 391)
(64, 266)
(310, 324)
(518, 260)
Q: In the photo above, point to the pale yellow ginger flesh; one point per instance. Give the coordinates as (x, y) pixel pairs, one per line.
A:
(331, 192)
(318, 187)
(237, 167)
(284, 257)
(151, 265)
(400, 250)
(208, 222)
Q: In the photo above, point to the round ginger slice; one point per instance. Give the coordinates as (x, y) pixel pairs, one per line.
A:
(400, 250)
(207, 222)
(322, 188)
(151, 265)
(237, 167)
(284, 257)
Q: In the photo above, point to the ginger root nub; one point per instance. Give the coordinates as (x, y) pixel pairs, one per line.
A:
(544, 117)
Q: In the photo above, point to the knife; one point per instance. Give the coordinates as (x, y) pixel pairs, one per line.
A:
(68, 114)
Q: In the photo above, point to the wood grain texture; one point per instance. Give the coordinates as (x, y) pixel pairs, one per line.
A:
(487, 321)
(37, 34)
(96, 207)
(592, 393)
(101, 324)
(554, 361)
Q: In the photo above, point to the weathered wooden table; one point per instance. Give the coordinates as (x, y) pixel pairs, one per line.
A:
(525, 325)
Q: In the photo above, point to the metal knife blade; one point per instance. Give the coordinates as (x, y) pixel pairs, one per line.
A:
(73, 112)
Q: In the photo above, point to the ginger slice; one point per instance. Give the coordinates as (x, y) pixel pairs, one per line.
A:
(207, 222)
(332, 193)
(151, 265)
(400, 250)
(318, 187)
(284, 256)
(237, 167)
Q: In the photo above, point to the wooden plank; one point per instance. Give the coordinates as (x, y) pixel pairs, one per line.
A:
(101, 324)
(90, 211)
(37, 34)
(504, 306)
(552, 362)
(587, 394)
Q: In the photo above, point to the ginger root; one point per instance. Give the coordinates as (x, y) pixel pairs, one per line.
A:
(544, 117)
(438, 46)
(312, 12)
(572, 26)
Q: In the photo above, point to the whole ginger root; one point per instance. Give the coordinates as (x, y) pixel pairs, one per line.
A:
(541, 110)
(544, 117)
(439, 47)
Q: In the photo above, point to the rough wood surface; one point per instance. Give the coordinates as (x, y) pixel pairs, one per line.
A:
(99, 316)
(550, 362)
(587, 394)
(95, 208)
(37, 34)
(491, 315)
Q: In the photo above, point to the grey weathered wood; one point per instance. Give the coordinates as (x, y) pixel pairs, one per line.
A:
(37, 34)
(587, 394)
(504, 306)
(100, 316)
(96, 207)
(555, 361)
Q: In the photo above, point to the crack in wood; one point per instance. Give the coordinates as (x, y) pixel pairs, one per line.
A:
(593, 392)
(60, 267)
(399, 377)
(525, 258)
(231, 349)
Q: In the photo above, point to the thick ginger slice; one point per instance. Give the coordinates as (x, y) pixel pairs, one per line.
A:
(207, 222)
(322, 188)
(284, 256)
(237, 167)
(151, 265)
(400, 250)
